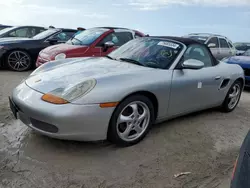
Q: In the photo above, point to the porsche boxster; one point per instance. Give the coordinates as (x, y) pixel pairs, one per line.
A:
(119, 97)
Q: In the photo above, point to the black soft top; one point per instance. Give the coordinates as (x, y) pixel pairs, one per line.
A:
(187, 42)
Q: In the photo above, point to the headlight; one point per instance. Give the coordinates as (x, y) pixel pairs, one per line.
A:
(69, 94)
(60, 56)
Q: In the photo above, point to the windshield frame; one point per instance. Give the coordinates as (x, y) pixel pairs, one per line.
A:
(47, 36)
(76, 37)
(6, 30)
(169, 65)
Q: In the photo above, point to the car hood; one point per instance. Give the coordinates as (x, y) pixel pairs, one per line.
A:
(13, 40)
(240, 60)
(62, 74)
(64, 48)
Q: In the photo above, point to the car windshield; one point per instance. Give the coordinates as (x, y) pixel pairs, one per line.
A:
(87, 37)
(242, 46)
(45, 34)
(201, 39)
(6, 30)
(148, 52)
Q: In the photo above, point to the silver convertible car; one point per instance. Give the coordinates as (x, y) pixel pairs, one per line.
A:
(119, 97)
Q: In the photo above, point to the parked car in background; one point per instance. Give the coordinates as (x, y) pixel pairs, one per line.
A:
(4, 26)
(219, 45)
(244, 61)
(241, 171)
(21, 31)
(98, 41)
(241, 47)
(20, 54)
(120, 96)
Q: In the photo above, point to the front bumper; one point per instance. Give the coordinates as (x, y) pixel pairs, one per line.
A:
(40, 61)
(68, 121)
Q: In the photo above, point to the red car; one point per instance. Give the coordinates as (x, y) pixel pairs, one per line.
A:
(98, 41)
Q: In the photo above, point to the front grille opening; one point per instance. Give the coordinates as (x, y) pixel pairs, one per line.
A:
(44, 126)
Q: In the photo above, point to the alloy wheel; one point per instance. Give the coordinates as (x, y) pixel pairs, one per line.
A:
(133, 121)
(234, 96)
(19, 61)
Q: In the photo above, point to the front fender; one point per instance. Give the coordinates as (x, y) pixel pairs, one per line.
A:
(118, 87)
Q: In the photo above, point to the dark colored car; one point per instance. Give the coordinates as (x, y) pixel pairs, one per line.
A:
(4, 26)
(21, 31)
(241, 172)
(244, 61)
(98, 41)
(20, 54)
(241, 47)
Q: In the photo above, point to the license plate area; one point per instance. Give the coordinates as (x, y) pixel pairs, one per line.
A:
(13, 108)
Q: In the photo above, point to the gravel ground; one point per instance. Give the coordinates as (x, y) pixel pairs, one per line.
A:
(205, 144)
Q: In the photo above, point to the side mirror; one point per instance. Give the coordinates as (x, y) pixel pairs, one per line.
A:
(211, 45)
(52, 40)
(192, 64)
(108, 45)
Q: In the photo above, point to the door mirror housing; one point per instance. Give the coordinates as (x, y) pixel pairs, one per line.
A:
(211, 45)
(108, 45)
(52, 40)
(192, 64)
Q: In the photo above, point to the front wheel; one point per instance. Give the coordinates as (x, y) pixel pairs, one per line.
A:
(19, 60)
(131, 120)
(233, 97)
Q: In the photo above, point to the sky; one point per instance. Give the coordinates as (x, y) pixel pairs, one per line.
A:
(230, 18)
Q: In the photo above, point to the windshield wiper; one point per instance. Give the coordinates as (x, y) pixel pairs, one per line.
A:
(131, 61)
(107, 56)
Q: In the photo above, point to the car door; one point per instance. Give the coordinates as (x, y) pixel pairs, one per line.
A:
(213, 44)
(224, 48)
(192, 89)
(118, 37)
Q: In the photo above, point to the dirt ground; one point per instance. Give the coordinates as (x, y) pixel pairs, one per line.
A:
(205, 144)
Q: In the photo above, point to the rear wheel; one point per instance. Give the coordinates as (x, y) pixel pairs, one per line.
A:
(19, 60)
(233, 97)
(131, 120)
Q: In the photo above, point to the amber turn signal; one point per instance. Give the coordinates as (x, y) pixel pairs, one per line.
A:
(108, 104)
(54, 99)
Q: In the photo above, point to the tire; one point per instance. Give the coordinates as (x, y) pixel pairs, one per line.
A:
(18, 60)
(225, 107)
(121, 133)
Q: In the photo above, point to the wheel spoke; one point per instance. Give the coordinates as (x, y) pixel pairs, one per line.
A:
(17, 55)
(143, 115)
(16, 65)
(125, 119)
(127, 131)
(135, 109)
(138, 129)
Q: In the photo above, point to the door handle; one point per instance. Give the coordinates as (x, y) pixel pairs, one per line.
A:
(217, 77)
